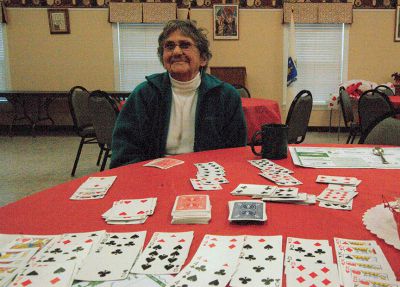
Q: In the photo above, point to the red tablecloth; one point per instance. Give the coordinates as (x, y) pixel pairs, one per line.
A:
(258, 112)
(51, 211)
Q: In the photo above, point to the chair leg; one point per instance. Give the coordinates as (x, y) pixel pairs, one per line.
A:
(78, 154)
(100, 154)
(348, 138)
(105, 157)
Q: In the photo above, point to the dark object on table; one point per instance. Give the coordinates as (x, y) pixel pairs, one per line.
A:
(299, 116)
(103, 111)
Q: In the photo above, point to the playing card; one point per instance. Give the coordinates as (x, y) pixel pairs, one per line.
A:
(113, 258)
(318, 275)
(253, 189)
(7, 273)
(336, 196)
(281, 178)
(164, 163)
(345, 180)
(267, 165)
(44, 275)
(342, 187)
(247, 211)
(213, 264)
(340, 206)
(204, 185)
(191, 209)
(129, 209)
(93, 188)
(260, 262)
(313, 251)
(69, 247)
(165, 253)
(284, 192)
(17, 255)
(30, 241)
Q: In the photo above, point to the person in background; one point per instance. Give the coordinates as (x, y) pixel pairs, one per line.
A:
(181, 110)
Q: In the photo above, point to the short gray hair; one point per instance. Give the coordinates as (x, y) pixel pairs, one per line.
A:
(189, 29)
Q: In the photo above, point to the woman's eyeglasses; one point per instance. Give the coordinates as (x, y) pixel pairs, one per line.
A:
(183, 45)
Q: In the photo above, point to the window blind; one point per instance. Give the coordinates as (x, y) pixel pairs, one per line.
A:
(3, 63)
(321, 59)
(137, 53)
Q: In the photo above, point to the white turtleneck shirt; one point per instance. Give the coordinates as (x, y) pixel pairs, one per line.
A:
(181, 129)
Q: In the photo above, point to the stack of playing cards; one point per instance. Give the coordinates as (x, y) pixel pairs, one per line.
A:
(191, 209)
(340, 192)
(164, 163)
(93, 188)
(130, 211)
(362, 263)
(210, 176)
(247, 211)
(274, 193)
(309, 262)
(274, 172)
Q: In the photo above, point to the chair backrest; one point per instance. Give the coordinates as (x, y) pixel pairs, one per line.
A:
(243, 91)
(299, 116)
(103, 111)
(385, 130)
(345, 105)
(78, 105)
(372, 105)
(385, 89)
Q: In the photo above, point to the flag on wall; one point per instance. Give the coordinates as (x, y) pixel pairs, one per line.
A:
(292, 59)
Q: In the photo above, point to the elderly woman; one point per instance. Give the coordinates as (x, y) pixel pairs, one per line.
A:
(182, 110)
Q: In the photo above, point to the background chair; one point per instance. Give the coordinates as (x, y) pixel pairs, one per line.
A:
(385, 89)
(385, 130)
(243, 91)
(372, 105)
(103, 111)
(78, 105)
(348, 115)
(299, 116)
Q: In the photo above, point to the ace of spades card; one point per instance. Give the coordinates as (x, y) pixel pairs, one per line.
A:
(165, 253)
(113, 258)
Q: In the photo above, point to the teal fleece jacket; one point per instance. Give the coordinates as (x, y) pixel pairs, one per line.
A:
(141, 128)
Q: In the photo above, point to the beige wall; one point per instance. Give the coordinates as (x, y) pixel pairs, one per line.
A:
(40, 61)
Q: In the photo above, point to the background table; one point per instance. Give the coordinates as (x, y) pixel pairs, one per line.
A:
(259, 112)
(51, 211)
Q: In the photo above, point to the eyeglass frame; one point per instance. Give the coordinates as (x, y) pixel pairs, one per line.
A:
(184, 45)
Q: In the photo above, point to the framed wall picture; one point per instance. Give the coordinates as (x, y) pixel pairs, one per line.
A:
(58, 21)
(226, 22)
(397, 25)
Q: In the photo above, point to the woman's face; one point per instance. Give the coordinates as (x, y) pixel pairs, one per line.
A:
(181, 57)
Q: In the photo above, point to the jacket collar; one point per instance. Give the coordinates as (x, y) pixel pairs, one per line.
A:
(161, 81)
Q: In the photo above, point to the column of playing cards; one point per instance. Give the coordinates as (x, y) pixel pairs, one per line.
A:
(309, 262)
(362, 263)
(130, 211)
(93, 188)
(191, 209)
(275, 173)
(209, 176)
(274, 193)
(339, 193)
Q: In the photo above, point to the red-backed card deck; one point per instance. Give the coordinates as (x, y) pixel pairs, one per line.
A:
(191, 209)
(164, 163)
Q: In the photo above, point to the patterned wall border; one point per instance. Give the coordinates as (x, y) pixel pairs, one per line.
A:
(195, 4)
